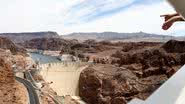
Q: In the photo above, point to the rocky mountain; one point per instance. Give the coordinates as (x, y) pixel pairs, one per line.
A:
(53, 44)
(175, 46)
(21, 37)
(137, 73)
(114, 36)
(6, 43)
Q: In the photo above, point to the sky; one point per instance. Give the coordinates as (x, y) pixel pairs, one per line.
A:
(68, 16)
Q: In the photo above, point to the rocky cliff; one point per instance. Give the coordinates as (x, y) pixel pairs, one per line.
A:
(137, 72)
(22, 37)
(5, 43)
(12, 92)
(6, 74)
(174, 46)
(47, 44)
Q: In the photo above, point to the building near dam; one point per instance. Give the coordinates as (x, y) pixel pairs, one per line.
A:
(68, 58)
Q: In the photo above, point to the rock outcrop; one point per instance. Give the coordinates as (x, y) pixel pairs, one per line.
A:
(6, 73)
(135, 72)
(53, 44)
(174, 46)
(11, 92)
(106, 84)
(5, 43)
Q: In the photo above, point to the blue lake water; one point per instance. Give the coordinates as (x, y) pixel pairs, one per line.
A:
(44, 58)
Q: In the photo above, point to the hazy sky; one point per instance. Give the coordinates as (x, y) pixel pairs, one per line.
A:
(67, 16)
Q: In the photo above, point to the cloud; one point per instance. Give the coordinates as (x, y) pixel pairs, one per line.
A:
(90, 10)
(138, 17)
(67, 16)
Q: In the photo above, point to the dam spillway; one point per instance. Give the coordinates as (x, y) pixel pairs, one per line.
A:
(64, 75)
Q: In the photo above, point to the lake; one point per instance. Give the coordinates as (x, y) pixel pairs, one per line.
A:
(43, 59)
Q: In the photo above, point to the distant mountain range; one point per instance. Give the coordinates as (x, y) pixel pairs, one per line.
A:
(22, 37)
(113, 36)
(109, 36)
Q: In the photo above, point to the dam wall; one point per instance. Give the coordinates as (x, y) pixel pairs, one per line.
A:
(64, 75)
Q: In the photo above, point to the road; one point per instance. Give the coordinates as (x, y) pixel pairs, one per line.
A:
(30, 78)
(33, 97)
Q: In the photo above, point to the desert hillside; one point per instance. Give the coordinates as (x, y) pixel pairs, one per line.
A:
(136, 71)
(25, 36)
(114, 36)
(7, 44)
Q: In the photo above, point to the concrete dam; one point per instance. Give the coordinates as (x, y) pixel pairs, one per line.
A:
(64, 75)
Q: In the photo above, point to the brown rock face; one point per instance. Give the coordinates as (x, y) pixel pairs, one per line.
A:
(119, 100)
(6, 74)
(54, 44)
(25, 36)
(11, 91)
(174, 46)
(89, 86)
(139, 45)
(106, 84)
(148, 57)
(136, 71)
(5, 43)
